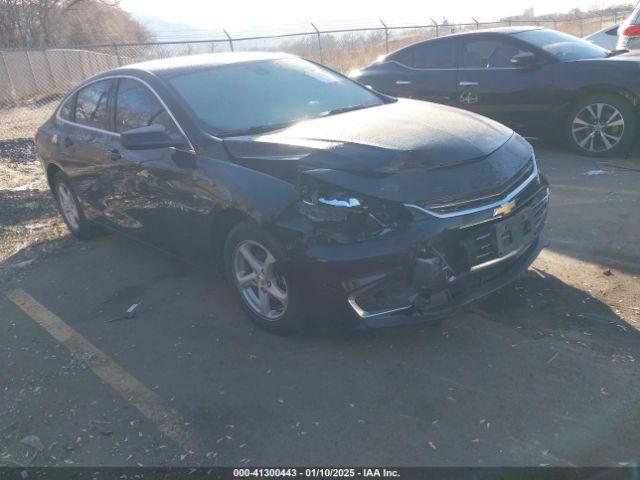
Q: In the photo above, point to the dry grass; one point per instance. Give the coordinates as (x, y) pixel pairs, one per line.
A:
(22, 121)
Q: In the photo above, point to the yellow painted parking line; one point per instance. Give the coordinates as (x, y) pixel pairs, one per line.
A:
(167, 420)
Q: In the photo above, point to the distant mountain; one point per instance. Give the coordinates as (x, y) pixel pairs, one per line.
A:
(163, 30)
(166, 31)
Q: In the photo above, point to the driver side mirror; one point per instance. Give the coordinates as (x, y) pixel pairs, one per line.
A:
(147, 138)
(524, 60)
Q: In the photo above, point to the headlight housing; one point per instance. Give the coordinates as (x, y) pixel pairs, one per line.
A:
(345, 216)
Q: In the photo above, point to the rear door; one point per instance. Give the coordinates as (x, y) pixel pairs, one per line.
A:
(84, 141)
(489, 84)
(426, 71)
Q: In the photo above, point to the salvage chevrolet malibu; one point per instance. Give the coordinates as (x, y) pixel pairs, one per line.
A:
(318, 197)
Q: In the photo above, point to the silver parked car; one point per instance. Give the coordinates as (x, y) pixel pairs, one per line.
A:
(606, 38)
(629, 33)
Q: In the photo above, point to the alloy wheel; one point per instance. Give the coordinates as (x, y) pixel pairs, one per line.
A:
(68, 206)
(598, 127)
(263, 289)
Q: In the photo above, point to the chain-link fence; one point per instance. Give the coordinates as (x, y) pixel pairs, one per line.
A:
(32, 81)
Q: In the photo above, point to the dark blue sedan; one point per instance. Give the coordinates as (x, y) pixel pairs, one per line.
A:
(539, 82)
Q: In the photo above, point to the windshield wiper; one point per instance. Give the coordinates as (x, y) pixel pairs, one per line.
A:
(350, 108)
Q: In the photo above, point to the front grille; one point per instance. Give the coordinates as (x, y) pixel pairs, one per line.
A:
(468, 247)
(479, 200)
(493, 240)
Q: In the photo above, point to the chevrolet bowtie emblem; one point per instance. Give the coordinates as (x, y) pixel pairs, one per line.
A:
(504, 209)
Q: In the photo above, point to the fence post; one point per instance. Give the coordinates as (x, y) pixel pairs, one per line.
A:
(477, 23)
(49, 69)
(437, 27)
(319, 42)
(386, 36)
(581, 26)
(6, 69)
(33, 74)
(116, 51)
(230, 39)
(66, 64)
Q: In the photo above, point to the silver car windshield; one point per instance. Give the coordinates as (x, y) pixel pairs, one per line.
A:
(561, 45)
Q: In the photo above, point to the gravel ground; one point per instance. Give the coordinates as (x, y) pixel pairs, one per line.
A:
(542, 373)
(29, 220)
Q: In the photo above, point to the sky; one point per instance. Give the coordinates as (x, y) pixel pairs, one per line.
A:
(241, 15)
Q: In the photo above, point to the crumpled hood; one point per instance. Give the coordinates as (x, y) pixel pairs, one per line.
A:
(403, 151)
(381, 139)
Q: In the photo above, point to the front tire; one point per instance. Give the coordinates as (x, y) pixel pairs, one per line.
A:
(70, 208)
(252, 259)
(601, 125)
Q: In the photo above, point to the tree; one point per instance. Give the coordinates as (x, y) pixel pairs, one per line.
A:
(41, 23)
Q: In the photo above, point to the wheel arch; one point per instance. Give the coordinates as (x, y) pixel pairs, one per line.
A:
(590, 90)
(222, 223)
(52, 170)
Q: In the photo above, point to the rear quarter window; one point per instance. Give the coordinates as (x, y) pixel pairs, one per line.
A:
(403, 57)
(66, 109)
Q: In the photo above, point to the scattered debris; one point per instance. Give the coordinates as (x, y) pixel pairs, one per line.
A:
(628, 166)
(608, 273)
(597, 172)
(129, 314)
(25, 263)
(554, 357)
(432, 445)
(33, 442)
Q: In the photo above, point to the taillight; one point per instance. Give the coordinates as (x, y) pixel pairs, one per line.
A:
(36, 137)
(631, 31)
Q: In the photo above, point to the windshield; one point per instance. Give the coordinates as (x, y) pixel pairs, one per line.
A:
(561, 45)
(245, 97)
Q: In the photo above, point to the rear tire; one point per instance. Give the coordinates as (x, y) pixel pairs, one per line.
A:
(602, 125)
(251, 257)
(71, 209)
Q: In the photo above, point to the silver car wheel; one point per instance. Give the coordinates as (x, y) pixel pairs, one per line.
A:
(598, 127)
(68, 206)
(262, 288)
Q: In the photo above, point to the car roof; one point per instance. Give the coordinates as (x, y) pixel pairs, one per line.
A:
(188, 62)
(500, 30)
(495, 30)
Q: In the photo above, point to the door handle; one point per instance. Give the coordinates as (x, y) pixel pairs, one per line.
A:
(403, 82)
(468, 84)
(67, 142)
(115, 155)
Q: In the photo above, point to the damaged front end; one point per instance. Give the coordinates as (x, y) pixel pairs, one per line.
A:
(395, 263)
(400, 233)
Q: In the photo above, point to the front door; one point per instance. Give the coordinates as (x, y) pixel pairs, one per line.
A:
(489, 84)
(158, 199)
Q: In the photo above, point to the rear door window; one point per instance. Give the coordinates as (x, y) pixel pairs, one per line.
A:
(92, 103)
(137, 106)
(439, 54)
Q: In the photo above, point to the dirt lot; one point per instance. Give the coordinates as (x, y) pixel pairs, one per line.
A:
(542, 373)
